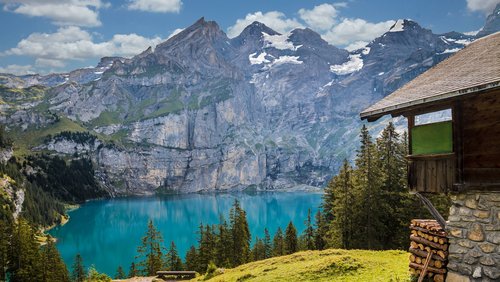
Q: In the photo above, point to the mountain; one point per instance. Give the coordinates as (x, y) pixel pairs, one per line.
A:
(202, 112)
(492, 23)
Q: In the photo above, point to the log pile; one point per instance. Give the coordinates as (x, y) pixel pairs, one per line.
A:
(428, 250)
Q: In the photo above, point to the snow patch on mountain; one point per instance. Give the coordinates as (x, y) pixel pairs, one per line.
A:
(450, 51)
(398, 26)
(260, 59)
(279, 42)
(464, 42)
(287, 60)
(354, 64)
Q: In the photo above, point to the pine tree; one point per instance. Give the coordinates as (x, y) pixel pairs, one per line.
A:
(309, 232)
(206, 247)
(94, 275)
(268, 247)
(132, 272)
(259, 250)
(54, 269)
(291, 242)
(278, 243)
(172, 260)
(240, 234)
(391, 152)
(223, 248)
(367, 179)
(26, 257)
(191, 259)
(342, 227)
(78, 271)
(5, 239)
(321, 230)
(120, 274)
(150, 251)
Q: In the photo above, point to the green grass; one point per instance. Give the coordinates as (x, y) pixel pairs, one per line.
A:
(106, 118)
(327, 265)
(24, 140)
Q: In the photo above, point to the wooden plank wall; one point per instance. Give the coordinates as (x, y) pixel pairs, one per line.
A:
(481, 138)
(431, 174)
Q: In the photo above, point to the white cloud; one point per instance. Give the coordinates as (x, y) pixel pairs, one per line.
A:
(41, 62)
(356, 45)
(71, 12)
(321, 17)
(274, 19)
(158, 6)
(349, 31)
(17, 69)
(73, 43)
(175, 32)
(485, 6)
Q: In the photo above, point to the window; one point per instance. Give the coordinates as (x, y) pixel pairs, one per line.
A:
(432, 133)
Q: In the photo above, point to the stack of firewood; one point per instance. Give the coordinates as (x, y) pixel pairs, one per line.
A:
(429, 250)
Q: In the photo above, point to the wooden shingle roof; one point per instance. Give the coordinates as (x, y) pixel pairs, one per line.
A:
(472, 69)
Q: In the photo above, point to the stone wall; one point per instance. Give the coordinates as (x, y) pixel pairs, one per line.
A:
(474, 233)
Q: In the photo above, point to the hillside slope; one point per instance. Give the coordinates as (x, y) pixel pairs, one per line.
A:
(327, 265)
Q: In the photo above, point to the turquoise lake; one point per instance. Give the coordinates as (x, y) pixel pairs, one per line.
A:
(106, 233)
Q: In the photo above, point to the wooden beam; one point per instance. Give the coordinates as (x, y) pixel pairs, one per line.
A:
(457, 119)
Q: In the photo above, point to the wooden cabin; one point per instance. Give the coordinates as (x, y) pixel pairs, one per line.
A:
(453, 113)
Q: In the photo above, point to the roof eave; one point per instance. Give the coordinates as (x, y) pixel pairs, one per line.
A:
(397, 110)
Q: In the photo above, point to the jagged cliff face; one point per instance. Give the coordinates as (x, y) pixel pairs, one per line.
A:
(202, 112)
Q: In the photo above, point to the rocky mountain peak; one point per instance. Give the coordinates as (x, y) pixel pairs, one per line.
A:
(306, 36)
(253, 34)
(492, 23)
(402, 25)
(202, 31)
(108, 61)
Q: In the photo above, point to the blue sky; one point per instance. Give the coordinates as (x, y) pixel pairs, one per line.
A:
(59, 35)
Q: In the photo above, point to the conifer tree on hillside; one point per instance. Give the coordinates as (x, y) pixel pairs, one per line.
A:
(341, 189)
(149, 252)
(309, 232)
(172, 260)
(120, 274)
(367, 179)
(258, 250)
(240, 233)
(132, 272)
(54, 269)
(224, 244)
(26, 257)
(278, 243)
(206, 247)
(191, 259)
(78, 271)
(5, 142)
(391, 157)
(291, 241)
(6, 229)
(320, 231)
(268, 247)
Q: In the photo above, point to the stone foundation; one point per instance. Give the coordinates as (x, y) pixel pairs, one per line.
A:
(474, 235)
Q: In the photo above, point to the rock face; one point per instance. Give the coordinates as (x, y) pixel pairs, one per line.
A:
(492, 23)
(202, 112)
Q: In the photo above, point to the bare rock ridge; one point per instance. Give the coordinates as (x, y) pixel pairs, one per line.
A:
(203, 112)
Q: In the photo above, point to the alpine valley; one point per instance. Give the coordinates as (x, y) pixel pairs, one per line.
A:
(203, 112)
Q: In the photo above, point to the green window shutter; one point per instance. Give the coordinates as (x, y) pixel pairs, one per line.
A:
(434, 138)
